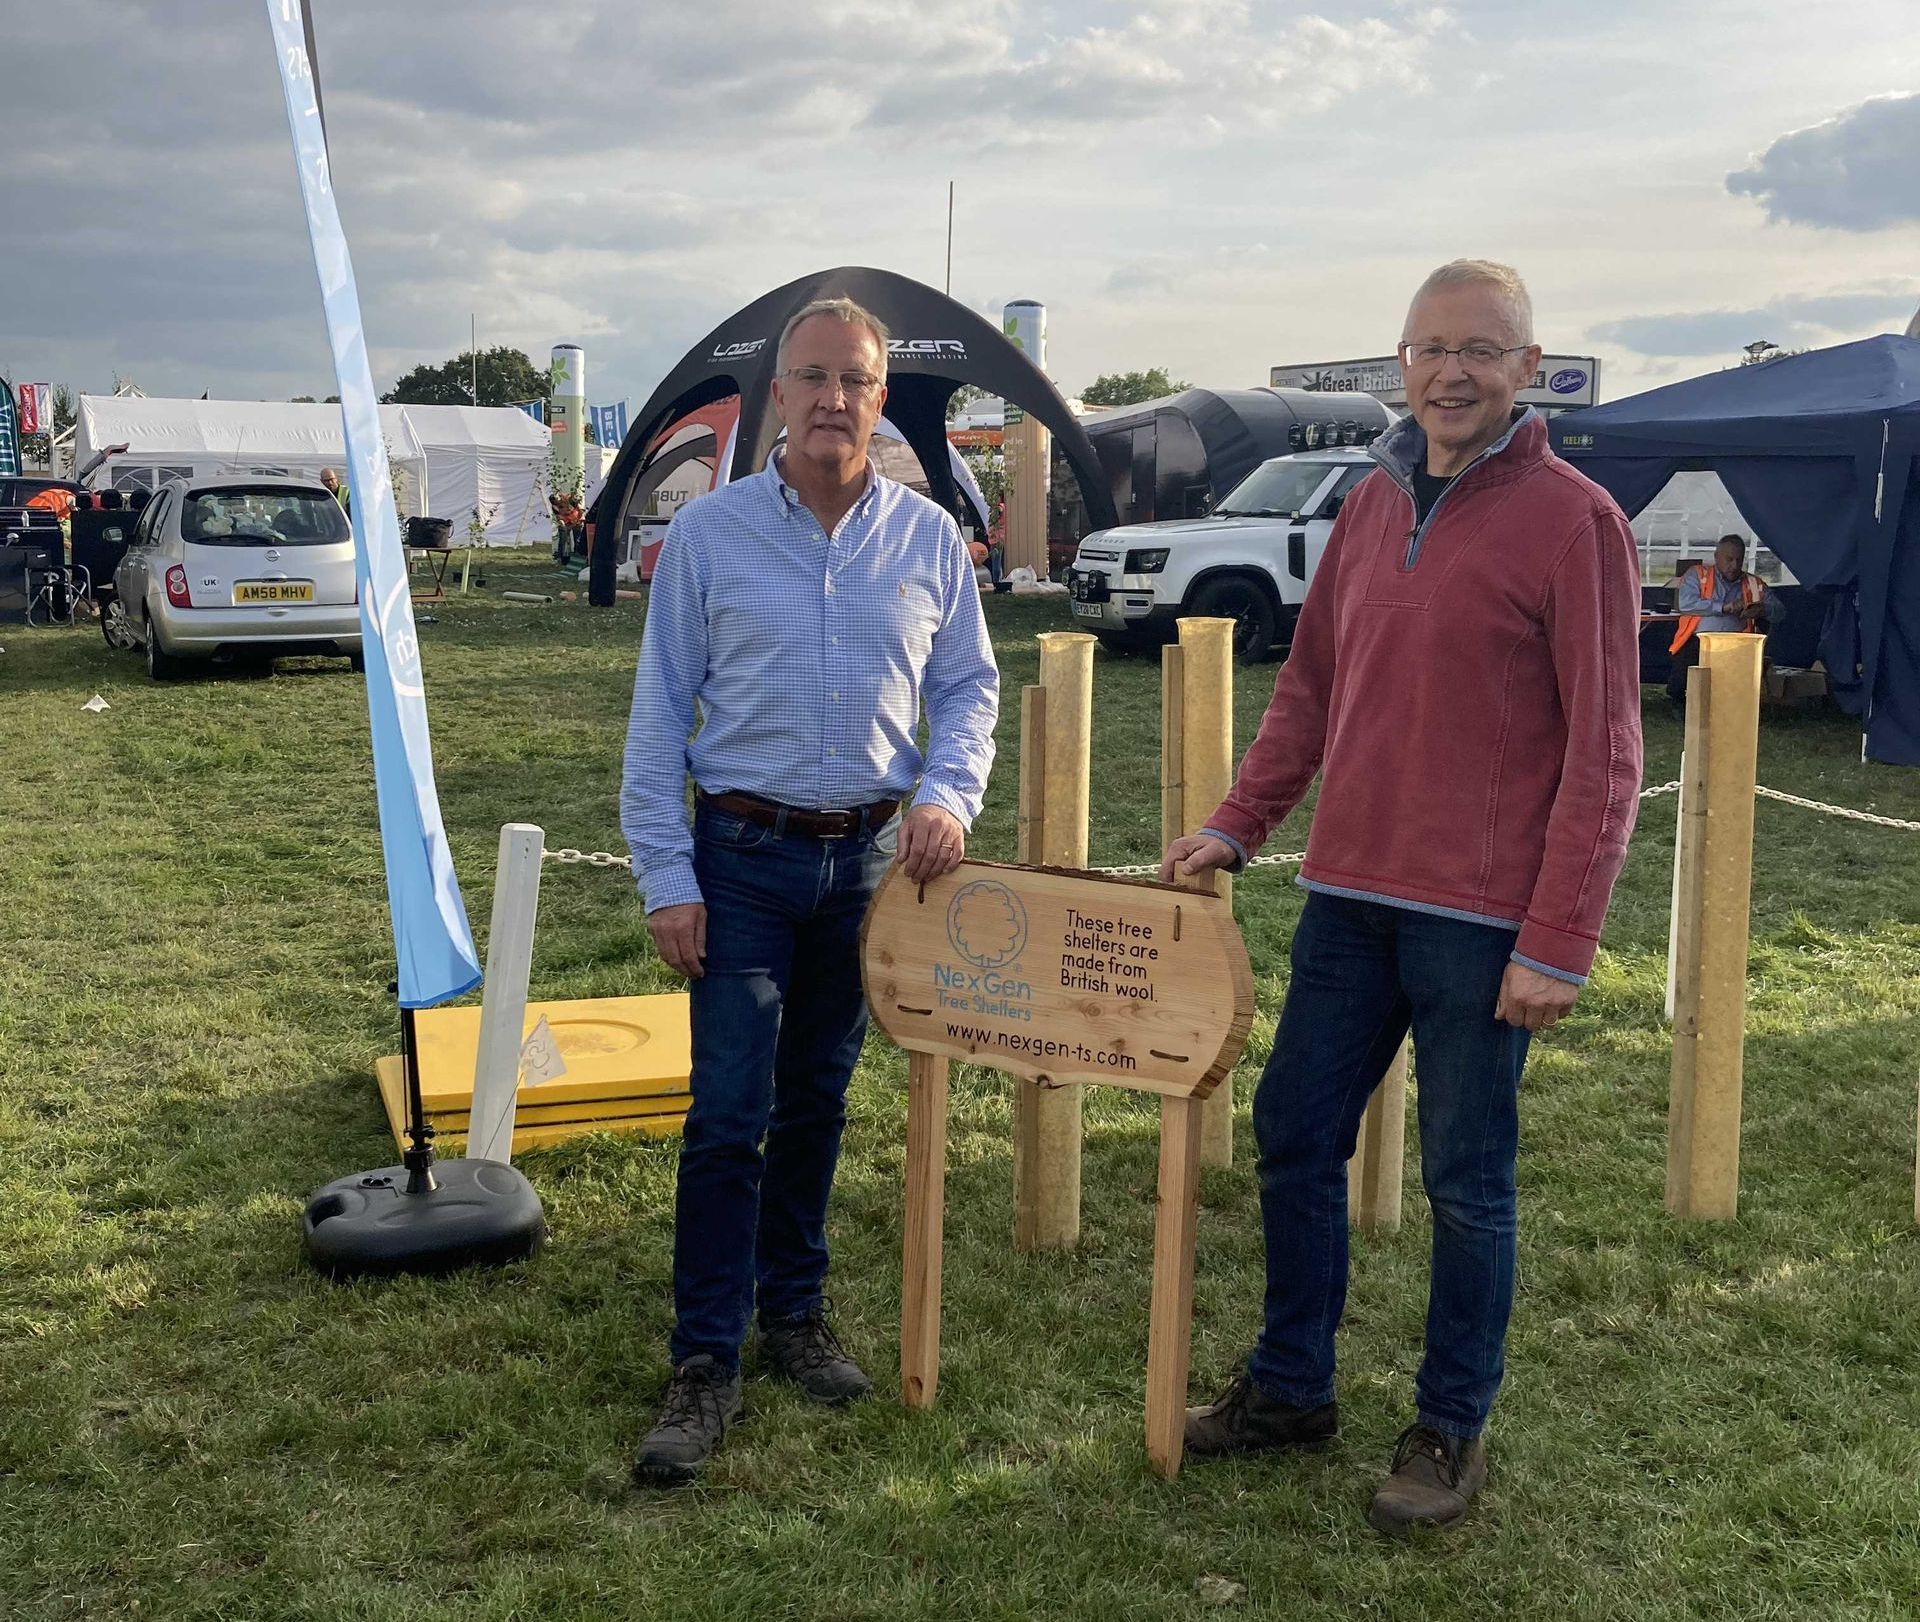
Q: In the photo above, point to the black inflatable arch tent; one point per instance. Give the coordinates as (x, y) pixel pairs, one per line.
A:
(937, 346)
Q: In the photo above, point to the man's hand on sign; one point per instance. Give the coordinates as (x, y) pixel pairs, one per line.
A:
(1532, 1000)
(1194, 854)
(932, 842)
(680, 936)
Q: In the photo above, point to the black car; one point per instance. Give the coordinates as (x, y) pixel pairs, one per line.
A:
(18, 491)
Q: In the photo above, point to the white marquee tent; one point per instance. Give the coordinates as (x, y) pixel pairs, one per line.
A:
(451, 459)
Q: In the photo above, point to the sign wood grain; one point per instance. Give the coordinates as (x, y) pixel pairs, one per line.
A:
(1061, 977)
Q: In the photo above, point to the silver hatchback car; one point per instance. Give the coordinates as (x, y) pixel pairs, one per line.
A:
(236, 568)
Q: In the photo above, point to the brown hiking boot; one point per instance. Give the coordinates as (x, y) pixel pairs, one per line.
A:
(1433, 1478)
(1247, 1420)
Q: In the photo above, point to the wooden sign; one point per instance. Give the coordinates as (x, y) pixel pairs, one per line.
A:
(1059, 977)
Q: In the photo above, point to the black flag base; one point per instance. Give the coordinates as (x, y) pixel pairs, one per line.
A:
(419, 1217)
(472, 1213)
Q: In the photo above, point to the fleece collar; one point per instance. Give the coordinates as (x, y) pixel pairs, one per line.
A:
(1402, 449)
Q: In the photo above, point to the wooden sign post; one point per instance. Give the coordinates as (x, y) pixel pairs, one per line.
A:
(1059, 978)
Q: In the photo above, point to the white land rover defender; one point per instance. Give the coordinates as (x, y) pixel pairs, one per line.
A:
(1249, 560)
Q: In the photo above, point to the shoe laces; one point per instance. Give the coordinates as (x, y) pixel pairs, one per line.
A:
(1423, 1441)
(693, 1398)
(814, 1343)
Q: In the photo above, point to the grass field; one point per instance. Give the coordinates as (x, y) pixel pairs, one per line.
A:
(1699, 1421)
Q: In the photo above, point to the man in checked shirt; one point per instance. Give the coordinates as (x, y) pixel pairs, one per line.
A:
(800, 616)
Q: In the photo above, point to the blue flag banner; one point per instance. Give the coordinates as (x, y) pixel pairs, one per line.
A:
(609, 423)
(432, 940)
(9, 432)
(536, 409)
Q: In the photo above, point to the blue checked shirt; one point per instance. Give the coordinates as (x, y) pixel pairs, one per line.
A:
(804, 658)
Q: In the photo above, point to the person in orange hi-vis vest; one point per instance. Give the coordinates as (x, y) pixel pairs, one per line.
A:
(60, 502)
(1720, 596)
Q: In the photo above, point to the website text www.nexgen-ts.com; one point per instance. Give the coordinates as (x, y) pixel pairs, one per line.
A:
(1041, 1047)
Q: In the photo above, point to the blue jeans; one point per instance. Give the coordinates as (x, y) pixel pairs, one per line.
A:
(1362, 973)
(778, 1019)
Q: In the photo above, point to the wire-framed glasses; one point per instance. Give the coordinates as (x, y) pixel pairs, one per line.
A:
(1477, 357)
(854, 385)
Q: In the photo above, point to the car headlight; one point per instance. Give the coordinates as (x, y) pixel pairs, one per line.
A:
(1148, 560)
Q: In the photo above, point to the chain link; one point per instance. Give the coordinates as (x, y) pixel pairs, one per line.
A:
(1293, 858)
(1836, 810)
(591, 858)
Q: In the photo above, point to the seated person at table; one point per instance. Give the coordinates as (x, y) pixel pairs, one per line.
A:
(1717, 596)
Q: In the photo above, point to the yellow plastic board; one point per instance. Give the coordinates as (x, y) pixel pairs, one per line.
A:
(658, 1116)
(614, 1047)
(627, 1063)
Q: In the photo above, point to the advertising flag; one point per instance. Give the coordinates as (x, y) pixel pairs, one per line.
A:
(610, 423)
(9, 432)
(36, 412)
(432, 940)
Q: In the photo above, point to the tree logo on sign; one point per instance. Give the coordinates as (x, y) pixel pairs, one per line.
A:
(987, 924)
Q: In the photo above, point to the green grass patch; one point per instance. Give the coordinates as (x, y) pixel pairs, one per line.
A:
(1699, 1421)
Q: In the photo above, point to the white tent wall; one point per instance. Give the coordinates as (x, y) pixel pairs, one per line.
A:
(492, 459)
(599, 458)
(451, 459)
(217, 439)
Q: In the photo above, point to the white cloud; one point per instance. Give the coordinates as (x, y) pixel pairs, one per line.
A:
(1210, 185)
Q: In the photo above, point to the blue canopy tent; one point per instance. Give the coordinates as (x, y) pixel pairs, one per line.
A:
(1821, 453)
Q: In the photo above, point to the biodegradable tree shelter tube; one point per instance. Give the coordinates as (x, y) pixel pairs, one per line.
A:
(1196, 770)
(1046, 1120)
(1715, 883)
(1029, 450)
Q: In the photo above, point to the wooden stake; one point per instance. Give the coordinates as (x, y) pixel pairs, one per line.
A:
(1173, 748)
(1374, 1174)
(1683, 973)
(1710, 1162)
(1170, 1317)
(1046, 1120)
(925, 1217)
(1206, 773)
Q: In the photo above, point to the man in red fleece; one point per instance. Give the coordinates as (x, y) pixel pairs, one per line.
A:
(1465, 681)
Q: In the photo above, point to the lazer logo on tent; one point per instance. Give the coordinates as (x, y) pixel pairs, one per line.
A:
(739, 351)
(926, 349)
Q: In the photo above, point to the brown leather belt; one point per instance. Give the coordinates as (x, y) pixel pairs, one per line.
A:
(799, 820)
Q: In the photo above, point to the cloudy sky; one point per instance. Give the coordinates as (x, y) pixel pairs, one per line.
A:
(1214, 186)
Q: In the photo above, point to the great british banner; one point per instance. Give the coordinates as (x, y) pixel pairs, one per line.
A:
(431, 937)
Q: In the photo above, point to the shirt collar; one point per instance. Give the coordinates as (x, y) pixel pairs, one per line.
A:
(790, 497)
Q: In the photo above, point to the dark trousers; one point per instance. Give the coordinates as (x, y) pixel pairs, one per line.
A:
(777, 1023)
(1362, 974)
(1683, 662)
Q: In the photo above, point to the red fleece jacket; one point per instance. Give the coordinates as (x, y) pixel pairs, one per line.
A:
(1474, 713)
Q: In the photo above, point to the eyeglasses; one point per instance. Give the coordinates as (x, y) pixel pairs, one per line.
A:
(1475, 357)
(854, 385)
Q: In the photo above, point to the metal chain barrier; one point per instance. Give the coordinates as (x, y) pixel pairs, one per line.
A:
(1293, 858)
